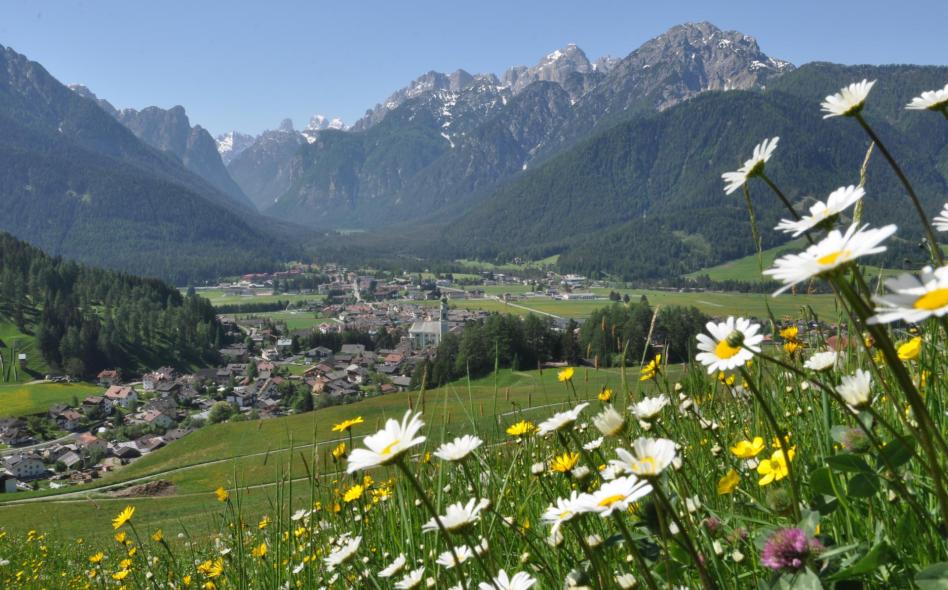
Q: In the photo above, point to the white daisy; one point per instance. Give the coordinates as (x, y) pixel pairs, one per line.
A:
(626, 581)
(560, 420)
(941, 222)
(562, 511)
(609, 422)
(342, 554)
(913, 299)
(649, 456)
(301, 514)
(593, 444)
(848, 101)
(831, 252)
(393, 568)
(459, 448)
(856, 389)
(446, 559)
(752, 167)
(837, 202)
(821, 361)
(459, 516)
(650, 407)
(411, 579)
(614, 496)
(731, 344)
(519, 581)
(609, 473)
(386, 445)
(932, 100)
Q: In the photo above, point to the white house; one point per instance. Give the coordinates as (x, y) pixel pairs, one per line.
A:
(121, 395)
(24, 466)
(157, 418)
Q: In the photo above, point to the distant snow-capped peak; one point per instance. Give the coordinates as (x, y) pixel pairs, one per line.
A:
(320, 123)
(232, 143)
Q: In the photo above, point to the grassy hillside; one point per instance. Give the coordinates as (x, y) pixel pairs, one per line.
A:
(219, 297)
(24, 399)
(710, 302)
(252, 454)
(13, 342)
(747, 268)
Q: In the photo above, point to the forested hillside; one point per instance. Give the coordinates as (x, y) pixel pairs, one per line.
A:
(86, 319)
(644, 199)
(75, 182)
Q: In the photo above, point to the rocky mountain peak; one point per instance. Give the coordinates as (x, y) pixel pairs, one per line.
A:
(557, 67)
(718, 60)
(85, 92)
(286, 125)
(232, 143)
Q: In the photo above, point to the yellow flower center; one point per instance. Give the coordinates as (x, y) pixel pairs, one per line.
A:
(646, 465)
(388, 448)
(932, 300)
(831, 258)
(725, 351)
(609, 501)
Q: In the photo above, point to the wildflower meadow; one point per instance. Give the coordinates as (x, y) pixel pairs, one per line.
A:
(786, 455)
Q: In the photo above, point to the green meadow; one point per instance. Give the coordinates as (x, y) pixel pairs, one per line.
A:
(19, 399)
(219, 297)
(252, 455)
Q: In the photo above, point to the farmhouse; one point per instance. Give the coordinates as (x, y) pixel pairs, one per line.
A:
(157, 419)
(68, 419)
(109, 377)
(122, 396)
(24, 466)
(89, 442)
(96, 404)
(150, 380)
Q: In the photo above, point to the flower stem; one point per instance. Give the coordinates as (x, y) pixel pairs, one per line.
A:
(932, 241)
(400, 463)
(782, 437)
(706, 580)
(926, 425)
(755, 231)
(639, 560)
(780, 195)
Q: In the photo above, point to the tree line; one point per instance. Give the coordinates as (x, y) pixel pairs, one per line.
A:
(87, 319)
(508, 341)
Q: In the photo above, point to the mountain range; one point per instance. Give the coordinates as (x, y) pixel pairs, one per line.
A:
(612, 163)
(438, 145)
(77, 182)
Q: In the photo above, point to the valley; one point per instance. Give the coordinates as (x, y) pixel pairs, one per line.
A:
(669, 318)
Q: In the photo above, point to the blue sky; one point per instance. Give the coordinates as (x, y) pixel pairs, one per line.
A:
(245, 65)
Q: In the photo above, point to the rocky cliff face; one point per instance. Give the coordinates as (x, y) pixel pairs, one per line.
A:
(230, 144)
(677, 65)
(170, 131)
(263, 169)
(569, 67)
